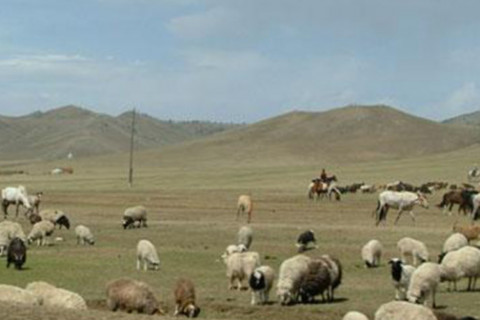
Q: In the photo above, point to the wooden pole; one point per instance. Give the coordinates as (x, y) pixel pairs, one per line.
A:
(130, 171)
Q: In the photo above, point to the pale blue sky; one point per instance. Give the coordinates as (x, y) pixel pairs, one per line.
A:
(239, 60)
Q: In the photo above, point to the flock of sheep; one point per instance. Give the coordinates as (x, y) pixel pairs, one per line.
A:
(300, 278)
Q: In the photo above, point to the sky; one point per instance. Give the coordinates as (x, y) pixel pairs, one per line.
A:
(239, 60)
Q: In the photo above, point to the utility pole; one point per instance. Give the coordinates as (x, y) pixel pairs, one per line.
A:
(130, 171)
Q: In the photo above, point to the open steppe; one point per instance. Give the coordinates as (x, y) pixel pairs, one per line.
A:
(192, 219)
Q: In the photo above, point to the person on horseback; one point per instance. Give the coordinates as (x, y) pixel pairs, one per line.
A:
(323, 175)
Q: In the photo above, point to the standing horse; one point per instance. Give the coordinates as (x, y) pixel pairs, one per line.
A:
(14, 195)
(459, 197)
(403, 201)
(323, 187)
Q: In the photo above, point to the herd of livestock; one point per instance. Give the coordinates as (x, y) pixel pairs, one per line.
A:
(300, 279)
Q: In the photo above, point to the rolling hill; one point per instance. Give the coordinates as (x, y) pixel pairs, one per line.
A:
(55, 133)
(353, 133)
(470, 119)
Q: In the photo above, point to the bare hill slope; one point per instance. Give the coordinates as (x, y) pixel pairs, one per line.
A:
(353, 133)
(471, 119)
(53, 134)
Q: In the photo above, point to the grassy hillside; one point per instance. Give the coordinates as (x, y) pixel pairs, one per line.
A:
(54, 134)
(469, 119)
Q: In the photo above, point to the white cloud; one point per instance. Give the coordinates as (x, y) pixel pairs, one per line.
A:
(463, 99)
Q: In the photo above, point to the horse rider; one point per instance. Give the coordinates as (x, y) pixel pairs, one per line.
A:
(323, 175)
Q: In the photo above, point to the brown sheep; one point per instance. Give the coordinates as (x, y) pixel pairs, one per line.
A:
(244, 205)
(185, 298)
(471, 232)
(129, 295)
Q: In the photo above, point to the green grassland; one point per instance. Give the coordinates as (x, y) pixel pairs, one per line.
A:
(191, 207)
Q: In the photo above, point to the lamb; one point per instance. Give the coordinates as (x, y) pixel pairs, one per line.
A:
(16, 253)
(424, 282)
(17, 296)
(84, 235)
(261, 282)
(316, 281)
(51, 296)
(464, 262)
(40, 231)
(147, 254)
(454, 242)
(402, 310)
(129, 295)
(56, 217)
(292, 272)
(304, 239)
(245, 236)
(354, 315)
(471, 232)
(239, 268)
(401, 275)
(184, 294)
(411, 247)
(245, 205)
(134, 214)
(371, 253)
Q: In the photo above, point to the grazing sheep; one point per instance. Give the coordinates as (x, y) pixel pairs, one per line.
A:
(239, 268)
(424, 282)
(371, 253)
(402, 310)
(16, 253)
(245, 205)
(8, 231)
(464, 262)
(316, 281)
(261, 282)
(411, 247)
(471, 232)
(17, 296)
(245, 236)
(304, 239)
(454, 242)
(84, 235)
(401, 274)
(290, 277)
(184, 294)
(51, 296)
(129, 295)
(40, 231)
(56, 217)
(147, 254)
(354, 315)
(336, 273)
(134, 214)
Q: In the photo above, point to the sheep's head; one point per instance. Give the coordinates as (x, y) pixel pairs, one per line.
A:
(127, 222)
(257, 280)
(285, 297)
(192, 311)
(63, 221)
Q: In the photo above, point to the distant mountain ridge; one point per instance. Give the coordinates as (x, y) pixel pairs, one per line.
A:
(469, 119)
(55, 133)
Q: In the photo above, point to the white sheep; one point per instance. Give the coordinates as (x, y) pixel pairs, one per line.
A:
(402, 310)
(245, 236)
(453, 242)
(401, 274)
(371, 253)
(16, 295)
(464, 262)
(412, 247)
(147, 254)
(40, 231)
(84, 235)
(231, 249)
(354, 315)
(424, 282)
(129, 295)
(57, 217)
(134, 214)
(244, 205)
(239, 268)
(8, 231)
(261, 282)
(51, 296)
(290, 277)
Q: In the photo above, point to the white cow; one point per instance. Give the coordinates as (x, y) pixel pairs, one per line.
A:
(403, 201)
(14, 195)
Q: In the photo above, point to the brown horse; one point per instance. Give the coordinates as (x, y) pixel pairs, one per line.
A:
(323, 187)
(454, 197)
